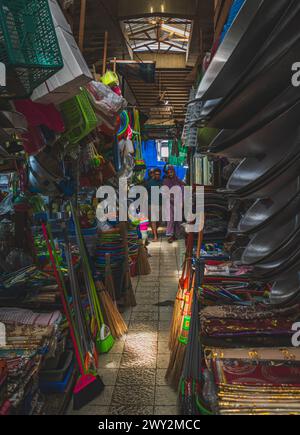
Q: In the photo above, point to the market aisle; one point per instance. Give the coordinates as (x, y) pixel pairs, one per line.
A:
(134, 370)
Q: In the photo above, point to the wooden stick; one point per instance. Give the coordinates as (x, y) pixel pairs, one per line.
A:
(105, 53)
(82, 23)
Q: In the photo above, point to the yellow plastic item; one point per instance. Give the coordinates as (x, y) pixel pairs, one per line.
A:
(110, 78)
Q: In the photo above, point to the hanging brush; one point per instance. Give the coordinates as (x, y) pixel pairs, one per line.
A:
(88, 386)
(104, 339)
(183, 286)
(143, 265)
(129, 296)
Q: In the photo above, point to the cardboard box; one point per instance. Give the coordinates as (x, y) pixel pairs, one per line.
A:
(58, 16)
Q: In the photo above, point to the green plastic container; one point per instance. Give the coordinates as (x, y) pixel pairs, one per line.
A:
(28, 45)
(79, 116)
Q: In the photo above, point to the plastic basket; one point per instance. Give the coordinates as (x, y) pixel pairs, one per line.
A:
(79, 117)
(28, 45)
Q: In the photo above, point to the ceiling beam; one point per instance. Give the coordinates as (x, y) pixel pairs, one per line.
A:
(170, 8)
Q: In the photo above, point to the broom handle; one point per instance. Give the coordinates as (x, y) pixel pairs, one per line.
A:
(199, 244)
(94, 294)
(62, 296)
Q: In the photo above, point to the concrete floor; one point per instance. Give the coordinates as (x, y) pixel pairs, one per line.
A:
(134, 370)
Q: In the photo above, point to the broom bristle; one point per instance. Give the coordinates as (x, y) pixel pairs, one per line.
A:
(174, 372)
(143, 265)
(176, 319)
(113, 317)
(130, 300)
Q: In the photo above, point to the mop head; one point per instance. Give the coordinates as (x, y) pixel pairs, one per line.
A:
(88, 388)
(143, 266)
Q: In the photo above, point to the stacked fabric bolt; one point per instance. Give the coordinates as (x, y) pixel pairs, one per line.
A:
(29, 286)
(262, 381)
(257, 324)
(30, 338)
(109, 242)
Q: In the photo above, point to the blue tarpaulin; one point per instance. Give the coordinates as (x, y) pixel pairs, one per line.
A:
(149, 151)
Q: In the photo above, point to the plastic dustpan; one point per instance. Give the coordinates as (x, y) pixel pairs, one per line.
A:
(104, 341)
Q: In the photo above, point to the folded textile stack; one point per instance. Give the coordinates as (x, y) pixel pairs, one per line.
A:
(29, 286)
(257, 323)
(255, 381)
(31, 340)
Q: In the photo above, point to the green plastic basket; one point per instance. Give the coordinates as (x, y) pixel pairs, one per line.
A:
(28, 45)
(79, 117)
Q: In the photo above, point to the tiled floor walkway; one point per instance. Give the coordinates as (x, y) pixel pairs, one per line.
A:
(134, 370)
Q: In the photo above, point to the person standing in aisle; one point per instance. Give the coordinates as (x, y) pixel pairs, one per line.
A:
(174, 227)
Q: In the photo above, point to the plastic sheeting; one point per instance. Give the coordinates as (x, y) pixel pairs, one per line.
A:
(149, 151)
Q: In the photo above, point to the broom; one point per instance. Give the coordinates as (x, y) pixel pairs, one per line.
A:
(109, 281)
(177, 356)
(183, 286)
(88, 386)
(129, 296)
(112, 315)
(143, 265)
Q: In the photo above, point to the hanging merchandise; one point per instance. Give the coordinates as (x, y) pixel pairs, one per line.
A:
(75, 73)
(45, 174)
(110, 79)
(177, 153)
(79, 117)
(91, 166)
(124, 125)
(41, 114)
(106, 103)
(29, 47)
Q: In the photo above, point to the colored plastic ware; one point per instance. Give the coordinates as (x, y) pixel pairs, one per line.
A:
(79, 117)
(110, 79)
(28, 45)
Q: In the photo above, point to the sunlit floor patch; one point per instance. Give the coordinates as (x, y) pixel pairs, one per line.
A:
(136, 370)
